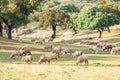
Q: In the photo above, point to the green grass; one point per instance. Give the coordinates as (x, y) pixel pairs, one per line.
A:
(102, 66)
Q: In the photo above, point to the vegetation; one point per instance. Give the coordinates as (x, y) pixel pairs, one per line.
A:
(96, 18)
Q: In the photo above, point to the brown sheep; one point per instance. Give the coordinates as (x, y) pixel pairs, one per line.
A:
(82, 59)
(48, 46)
(27, 59)
(25, 50)
(107, 47)
(16, 53)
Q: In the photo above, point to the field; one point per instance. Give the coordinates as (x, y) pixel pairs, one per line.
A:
(102, 66)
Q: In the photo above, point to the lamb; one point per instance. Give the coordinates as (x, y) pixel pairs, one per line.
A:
(47, 58)
(66, 51)
(25, 50)
(93, 48)
(77, 53)
(16, 53)
(27, 59)
(115, 50)
(82, 59)
(48, 46)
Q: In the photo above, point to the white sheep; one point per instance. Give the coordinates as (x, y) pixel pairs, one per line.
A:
(47, 58)
(115, 50)
(93, 48)
(57, 49)
(66, 51)
(48, 46)
(16, 53)
(77, 53)
(82, 59)
(27, 58)
(25, 50)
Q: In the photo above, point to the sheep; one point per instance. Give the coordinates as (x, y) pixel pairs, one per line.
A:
(100, 45)
(108, 46)
(66, 51)
(47, 58)
(115, 50)
(48, 46)
(39, 41)
(77, 53)
(63, 41)
(16, 53)
(54, 56)
(50, 40)
(57, 49)
(82, 59)
(26, 49)
(93, 48)
(27, 59)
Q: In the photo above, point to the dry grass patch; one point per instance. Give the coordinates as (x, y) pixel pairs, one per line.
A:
(56, 72)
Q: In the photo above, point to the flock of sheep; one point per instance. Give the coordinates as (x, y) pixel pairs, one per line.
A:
(25, 51)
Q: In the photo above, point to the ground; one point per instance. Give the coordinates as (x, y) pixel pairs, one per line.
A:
(102, 66)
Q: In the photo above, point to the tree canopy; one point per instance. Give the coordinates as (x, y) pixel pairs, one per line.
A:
(53, 18)
(95, 18)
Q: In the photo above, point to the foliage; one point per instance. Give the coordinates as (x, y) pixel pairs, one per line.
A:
(110, 6)
(95, 18)
(52, 17)
(66, 8)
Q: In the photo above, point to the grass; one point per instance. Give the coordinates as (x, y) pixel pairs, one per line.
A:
(102, 66)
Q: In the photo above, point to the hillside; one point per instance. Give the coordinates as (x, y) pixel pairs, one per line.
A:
(101, 66)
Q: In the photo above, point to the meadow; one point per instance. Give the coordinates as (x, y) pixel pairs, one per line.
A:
(102, 66)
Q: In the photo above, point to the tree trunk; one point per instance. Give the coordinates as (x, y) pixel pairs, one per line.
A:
(100, 33)
(54, 31)
(108, 29)
(75, 31)
(9, 32)
(1, 32)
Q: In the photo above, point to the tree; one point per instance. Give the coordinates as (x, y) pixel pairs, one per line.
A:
(15, 13)
(72, 11)
(96, 18)
(53, 18)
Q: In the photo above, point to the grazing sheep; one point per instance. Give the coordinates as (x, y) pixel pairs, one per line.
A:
(100, 45)
(89, 42)
(115, 50)
(77, 53)
(54, 56)
(26, 49)
(108, 46)
(16, 53)
(48, 46)
(66, 51)
(39, 41)
(47, 58)
(27, 59)
(93, 48)
(57, 49)
(82, 59)
(50, 40)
